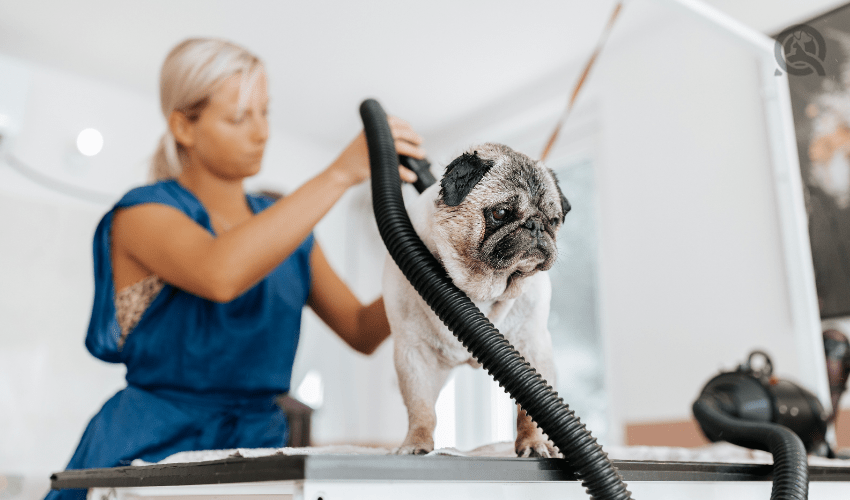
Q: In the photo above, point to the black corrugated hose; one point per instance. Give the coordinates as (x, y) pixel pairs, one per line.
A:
(790, 465)
(469, 325)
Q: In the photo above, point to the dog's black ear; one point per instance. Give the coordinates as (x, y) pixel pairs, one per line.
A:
(461, 176)
(565, 204)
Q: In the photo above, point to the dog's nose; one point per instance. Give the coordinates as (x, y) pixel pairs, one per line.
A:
(535, 226)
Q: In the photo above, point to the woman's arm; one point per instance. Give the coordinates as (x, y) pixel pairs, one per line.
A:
(161, 240)
(361, 327)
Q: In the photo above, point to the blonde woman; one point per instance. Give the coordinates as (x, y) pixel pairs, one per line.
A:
(200, 287)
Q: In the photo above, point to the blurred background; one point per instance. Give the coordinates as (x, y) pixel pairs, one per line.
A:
(673, 264)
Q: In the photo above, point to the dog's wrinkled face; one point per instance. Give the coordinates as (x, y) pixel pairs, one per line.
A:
(496, 220)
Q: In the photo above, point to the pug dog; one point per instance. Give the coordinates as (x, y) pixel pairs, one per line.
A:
(492, 222)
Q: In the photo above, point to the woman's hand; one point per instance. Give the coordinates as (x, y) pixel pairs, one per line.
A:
(352, 166)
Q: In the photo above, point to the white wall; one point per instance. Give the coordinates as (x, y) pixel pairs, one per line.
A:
(691, 263)
(49, 383)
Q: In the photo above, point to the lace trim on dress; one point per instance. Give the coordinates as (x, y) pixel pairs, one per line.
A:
(131, 302)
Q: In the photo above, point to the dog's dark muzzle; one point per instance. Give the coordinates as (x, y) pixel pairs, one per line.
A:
(536, 227)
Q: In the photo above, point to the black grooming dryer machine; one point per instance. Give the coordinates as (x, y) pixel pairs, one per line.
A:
(750, 407)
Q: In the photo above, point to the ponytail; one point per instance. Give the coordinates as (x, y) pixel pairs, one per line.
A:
(165, 163)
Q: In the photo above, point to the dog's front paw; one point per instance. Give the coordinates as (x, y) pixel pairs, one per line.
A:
(536, 448)
(415, 449)
(419, 441)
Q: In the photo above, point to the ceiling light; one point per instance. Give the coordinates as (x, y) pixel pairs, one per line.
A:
(90, 142)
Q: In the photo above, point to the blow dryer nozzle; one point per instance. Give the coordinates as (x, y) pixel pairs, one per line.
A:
(422, 169)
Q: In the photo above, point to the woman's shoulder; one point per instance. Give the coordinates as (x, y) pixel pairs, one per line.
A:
(167, 192)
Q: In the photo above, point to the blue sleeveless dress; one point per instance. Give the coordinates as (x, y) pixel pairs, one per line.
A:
(201, 375)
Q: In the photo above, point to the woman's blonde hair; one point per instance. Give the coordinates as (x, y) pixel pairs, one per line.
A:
(190, 74)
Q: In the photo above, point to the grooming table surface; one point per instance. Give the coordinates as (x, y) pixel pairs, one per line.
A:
(329, 477)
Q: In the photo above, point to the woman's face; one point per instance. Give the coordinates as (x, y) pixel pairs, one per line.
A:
(227, 141)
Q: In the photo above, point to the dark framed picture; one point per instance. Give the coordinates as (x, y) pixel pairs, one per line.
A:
(817, 61)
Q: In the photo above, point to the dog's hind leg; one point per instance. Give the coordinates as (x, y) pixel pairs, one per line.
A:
(421, 377)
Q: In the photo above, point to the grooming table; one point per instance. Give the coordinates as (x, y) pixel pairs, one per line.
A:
(341, 476)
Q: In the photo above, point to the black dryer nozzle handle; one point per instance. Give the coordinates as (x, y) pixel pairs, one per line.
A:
(422, 169)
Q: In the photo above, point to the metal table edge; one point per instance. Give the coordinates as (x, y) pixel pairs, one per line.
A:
(409, 468)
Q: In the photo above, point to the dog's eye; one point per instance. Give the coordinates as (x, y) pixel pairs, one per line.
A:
(499, 214)
(554, 221)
